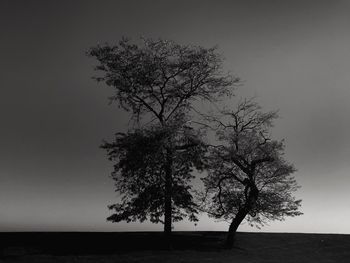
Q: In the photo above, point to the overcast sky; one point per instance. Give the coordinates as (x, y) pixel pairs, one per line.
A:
(293, 55)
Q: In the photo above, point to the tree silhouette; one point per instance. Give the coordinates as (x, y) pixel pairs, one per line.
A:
(158, 81)
(248, 177)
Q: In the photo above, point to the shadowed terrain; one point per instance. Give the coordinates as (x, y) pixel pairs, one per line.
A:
(187, 247)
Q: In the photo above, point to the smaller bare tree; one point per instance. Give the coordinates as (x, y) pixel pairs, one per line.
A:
(248, 178)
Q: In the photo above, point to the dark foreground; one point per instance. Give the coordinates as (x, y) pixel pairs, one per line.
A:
(187, 247)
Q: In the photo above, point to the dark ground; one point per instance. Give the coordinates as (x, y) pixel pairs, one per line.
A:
(187, 247)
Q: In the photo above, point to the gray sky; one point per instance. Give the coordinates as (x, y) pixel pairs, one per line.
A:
(293, 55)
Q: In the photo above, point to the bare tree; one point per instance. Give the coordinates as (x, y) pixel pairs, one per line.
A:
(157, 81)
(248, 177)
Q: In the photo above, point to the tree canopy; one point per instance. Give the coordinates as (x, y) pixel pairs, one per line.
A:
(161, 77)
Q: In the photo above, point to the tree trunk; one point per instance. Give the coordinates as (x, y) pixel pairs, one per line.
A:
(168, 197)
(230, 239)
(252, 194)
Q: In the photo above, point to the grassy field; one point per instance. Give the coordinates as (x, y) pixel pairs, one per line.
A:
(187, 247)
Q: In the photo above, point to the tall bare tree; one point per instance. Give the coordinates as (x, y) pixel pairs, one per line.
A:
(248, 177)
(157, 81)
